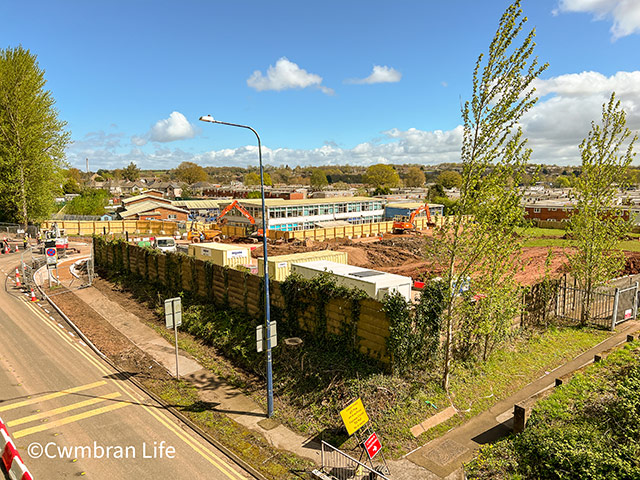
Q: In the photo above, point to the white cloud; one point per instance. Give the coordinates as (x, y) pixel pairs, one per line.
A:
(380, 74)
(590, 83)
(176, 127)
(555, 126)
(284, 76)
(568, 105)
(624, 13)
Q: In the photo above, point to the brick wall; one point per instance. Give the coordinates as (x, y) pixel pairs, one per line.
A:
(243, 291)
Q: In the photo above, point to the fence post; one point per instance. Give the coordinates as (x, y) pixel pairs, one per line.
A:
(635, 302)
(614, 317)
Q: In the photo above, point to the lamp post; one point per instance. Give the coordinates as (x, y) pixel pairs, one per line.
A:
(267, 305)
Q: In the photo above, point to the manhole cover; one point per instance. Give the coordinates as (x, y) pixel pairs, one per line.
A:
(445, 452)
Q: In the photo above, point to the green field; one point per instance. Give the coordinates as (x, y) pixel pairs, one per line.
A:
(551, 237)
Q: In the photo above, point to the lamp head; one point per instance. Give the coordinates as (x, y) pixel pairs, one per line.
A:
(207, 118)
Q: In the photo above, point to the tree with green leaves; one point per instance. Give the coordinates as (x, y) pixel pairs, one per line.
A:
(415, 177)
(450, 179)
(252, 178)
(90, 202)
(381, 176)
(32, 140)
(597, 225)
(131, 173)
(479, 241)
(318, 179)
(190, 173)
(562, 182)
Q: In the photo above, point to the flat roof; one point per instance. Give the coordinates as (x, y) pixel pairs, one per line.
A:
(366, 275)
(305, 255)
(281, 202)
(412, 205)
(550, 203)
(219, 246)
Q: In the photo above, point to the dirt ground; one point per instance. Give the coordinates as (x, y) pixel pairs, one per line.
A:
(127, 356)
(407, 255)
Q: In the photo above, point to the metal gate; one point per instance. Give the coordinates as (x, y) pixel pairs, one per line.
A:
(337, 465)
(571, 305)
(625, 305)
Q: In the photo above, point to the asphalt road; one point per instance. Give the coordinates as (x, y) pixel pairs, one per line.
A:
(71, 415)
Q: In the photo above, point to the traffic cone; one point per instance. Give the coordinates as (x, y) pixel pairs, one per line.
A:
(18, 278)
(16, 248)
(33, 296)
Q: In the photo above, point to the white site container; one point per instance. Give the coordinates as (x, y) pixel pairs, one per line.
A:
(221, 254)
(375, 283)
(280, 265)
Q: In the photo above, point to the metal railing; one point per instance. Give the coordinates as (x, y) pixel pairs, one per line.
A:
(337, 465)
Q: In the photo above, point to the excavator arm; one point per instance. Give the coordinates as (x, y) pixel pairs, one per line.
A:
(400, 225)
(417, 211)
(240, 208)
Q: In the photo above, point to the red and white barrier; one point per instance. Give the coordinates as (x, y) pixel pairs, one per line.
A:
(11, 458)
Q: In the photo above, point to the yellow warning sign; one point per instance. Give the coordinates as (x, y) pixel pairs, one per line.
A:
(354, 416)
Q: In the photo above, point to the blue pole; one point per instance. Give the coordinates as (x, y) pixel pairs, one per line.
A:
(267, 303)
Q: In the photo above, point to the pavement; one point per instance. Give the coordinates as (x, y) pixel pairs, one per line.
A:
(441, 458)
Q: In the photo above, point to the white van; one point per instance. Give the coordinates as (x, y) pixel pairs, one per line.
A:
(165, 244)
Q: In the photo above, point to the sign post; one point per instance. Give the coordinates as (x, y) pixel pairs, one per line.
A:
(261, 338)
(52, 262)
(372, 445)
(173, 319)
(355, 419)
(354, 416)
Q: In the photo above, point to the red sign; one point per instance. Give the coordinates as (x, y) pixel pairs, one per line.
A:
(372, 445)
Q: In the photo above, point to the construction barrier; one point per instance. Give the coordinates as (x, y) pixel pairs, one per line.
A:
(13, 464)
(161, 227)
(348, 231)
(78, 228)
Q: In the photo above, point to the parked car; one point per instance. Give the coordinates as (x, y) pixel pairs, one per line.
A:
(165, 244)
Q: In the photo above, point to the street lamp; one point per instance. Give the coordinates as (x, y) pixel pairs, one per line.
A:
(267, 305)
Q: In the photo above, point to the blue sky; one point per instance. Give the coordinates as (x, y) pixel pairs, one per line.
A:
(331, 82)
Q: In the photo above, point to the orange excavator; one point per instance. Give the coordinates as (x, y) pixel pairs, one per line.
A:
(244, 212)
(402, 223)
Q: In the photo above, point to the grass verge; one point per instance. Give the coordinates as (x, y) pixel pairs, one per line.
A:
(587, 428)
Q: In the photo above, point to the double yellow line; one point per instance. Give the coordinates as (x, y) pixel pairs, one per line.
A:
(202, 451)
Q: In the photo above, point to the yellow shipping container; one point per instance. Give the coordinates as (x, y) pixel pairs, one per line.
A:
(280, 266)
(221, 254)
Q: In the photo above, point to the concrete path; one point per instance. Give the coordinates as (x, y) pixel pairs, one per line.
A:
(222, 397)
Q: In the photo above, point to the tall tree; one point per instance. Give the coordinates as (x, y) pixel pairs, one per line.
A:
(190, 173)
(32, 139)
(381, 176)
(318, 179)
(450, 179)
(131, 173)
(493, 155)
(596, 224)
(415, 177)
